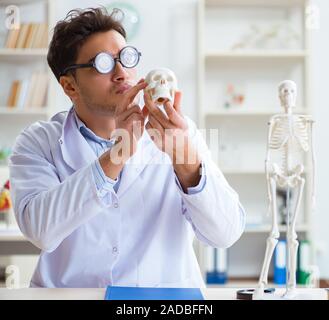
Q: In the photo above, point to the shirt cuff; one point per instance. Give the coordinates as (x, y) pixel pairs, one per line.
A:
(198, 188)
(103, 183)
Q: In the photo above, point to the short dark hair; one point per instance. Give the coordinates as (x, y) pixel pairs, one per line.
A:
(72, 32)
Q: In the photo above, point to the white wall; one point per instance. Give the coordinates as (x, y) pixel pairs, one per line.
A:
(320, 63)
(167, 37)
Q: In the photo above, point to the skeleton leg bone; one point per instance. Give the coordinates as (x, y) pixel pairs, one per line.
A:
(293, 242)
(271, 242)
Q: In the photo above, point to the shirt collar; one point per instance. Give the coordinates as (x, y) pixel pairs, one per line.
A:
(87, 133)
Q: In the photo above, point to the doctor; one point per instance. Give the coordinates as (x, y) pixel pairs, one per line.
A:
(115, 209)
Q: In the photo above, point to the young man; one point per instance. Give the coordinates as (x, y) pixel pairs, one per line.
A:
(99, 204)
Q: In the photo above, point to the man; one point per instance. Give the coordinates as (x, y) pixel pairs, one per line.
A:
(106, 201)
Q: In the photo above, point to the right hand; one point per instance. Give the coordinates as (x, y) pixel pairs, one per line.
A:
(129, 123)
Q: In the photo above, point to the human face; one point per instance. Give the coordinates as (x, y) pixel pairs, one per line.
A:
(100, 93)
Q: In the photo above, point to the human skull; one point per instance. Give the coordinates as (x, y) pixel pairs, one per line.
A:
(288, 94)
(162, 84)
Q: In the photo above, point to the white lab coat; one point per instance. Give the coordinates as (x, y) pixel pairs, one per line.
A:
(140, 236)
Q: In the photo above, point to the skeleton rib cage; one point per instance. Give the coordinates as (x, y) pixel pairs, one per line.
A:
(289, 139)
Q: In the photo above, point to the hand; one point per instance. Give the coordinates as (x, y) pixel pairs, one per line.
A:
(129, 123)
(170, 134)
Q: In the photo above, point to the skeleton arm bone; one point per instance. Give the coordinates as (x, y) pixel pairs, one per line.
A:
(271, 125)
(311, 122)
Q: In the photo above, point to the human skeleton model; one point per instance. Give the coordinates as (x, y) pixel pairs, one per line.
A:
(290, 137)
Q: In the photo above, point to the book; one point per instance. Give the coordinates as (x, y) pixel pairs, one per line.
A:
(40, 91)
(41, 37)
(29, 36)
(23, 93)
(216, 266)
(29, 97)
(304, 262)
(144, 293)
(22, 36)
(280, 262)
(12, 37)
(14, 93)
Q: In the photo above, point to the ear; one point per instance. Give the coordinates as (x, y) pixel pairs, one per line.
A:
(69, 86)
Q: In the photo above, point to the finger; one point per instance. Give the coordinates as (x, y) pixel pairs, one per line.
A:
(172, 114)
(155, 123)
(156, 112)
(145, 111)
(132, 92)
(133, 118)
(127, 113)
(177, 101)
(153, 133)
(130, 95)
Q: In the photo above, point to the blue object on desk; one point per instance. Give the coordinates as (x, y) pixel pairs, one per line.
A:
(280, 262)
(143, 293)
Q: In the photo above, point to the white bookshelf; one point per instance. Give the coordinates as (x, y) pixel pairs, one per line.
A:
(258, 69)
(14, 53)
(19, 64)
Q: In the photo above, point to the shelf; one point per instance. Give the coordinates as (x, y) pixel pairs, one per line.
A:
(12, 53)
(266, 228)
(30, 111)
(249, 112)
(18, 2)
(241, 171)
(249, 284)
(260, 3)
(256, 54)
(11, 235)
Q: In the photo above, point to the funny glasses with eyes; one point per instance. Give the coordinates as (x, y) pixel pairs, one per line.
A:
(105, 63)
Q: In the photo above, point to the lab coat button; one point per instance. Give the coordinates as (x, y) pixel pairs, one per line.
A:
(60, 141)
(114, 249)
(116, 205)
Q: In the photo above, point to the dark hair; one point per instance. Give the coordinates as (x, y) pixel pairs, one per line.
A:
(72, 32)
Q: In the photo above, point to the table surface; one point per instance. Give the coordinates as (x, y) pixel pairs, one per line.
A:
(99, 293)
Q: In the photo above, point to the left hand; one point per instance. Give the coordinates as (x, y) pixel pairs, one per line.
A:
(170, 134)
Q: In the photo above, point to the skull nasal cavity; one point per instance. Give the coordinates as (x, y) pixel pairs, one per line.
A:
(162, 81)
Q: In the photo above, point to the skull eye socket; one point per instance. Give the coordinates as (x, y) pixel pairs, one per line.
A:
(157, 77)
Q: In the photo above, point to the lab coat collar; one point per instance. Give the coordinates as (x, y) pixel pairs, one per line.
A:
(77, 153)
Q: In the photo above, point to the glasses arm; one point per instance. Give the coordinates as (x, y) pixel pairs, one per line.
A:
(77, 66)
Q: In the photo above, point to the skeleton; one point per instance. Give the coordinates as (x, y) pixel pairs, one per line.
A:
(290, 136)
(162, 84)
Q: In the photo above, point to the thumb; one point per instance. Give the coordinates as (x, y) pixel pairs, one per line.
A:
(145, 111)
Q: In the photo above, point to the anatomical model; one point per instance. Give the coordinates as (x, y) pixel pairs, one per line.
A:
(162, 84)
(289, 141)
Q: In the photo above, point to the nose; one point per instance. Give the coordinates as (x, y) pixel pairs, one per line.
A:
(119, 74)
(162, 81)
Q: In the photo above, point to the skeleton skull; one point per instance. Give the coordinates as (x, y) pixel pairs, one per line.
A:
(288, 94)
(162, 84)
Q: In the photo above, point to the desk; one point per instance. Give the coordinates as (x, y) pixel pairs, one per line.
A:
(99, 293)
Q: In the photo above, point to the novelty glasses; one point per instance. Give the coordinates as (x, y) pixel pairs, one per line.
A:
(104, 62)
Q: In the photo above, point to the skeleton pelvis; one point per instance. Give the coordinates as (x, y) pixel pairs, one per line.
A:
(287, 178)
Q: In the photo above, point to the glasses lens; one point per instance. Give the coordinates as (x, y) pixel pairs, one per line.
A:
(104, 63)
(129, 57)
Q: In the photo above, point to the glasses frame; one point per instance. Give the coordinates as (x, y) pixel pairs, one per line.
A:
(92, 63)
